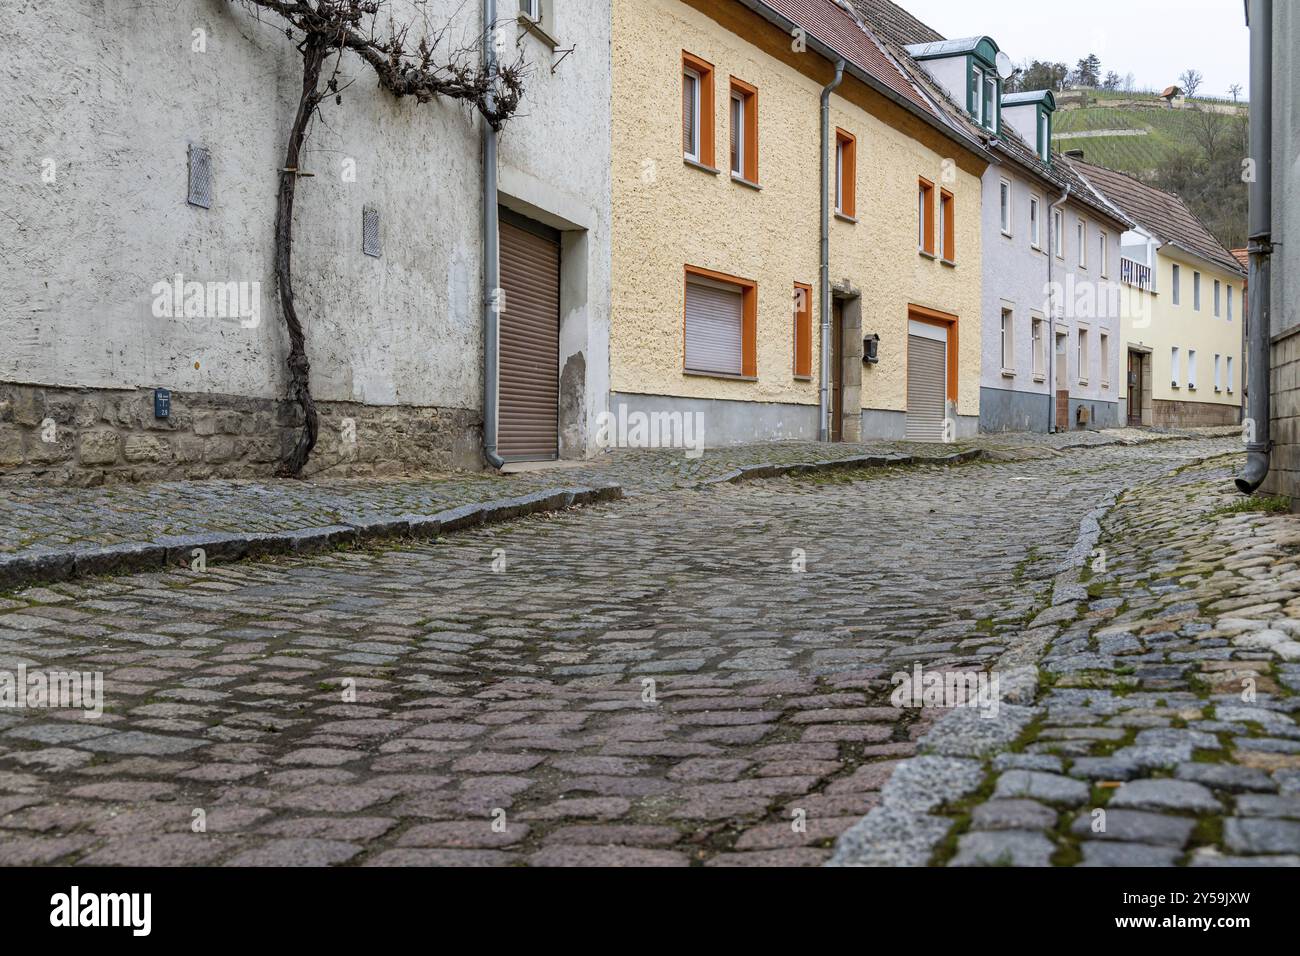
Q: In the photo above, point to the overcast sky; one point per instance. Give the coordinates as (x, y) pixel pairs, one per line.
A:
(1154, 39)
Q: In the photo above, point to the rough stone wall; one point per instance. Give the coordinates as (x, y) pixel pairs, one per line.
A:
(97, 436)
(1192, 414)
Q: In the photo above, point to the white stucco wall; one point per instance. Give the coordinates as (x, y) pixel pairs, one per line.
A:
(112, 108)
(1016, 277)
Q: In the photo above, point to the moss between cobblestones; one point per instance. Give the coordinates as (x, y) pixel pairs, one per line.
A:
(1261, 503)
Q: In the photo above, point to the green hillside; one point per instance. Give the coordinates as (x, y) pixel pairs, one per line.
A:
(1194, 151)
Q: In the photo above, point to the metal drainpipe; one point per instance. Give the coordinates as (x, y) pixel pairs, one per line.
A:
(1052, 240)
(1261, 242)
(491, 257)
(824, 423)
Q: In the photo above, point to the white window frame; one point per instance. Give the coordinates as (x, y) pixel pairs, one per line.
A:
(1038, 345)
(1008, 326)
(695, 112)
(1218, 379)
(1229, 375)
(1218, 299)
(1004, 200)
(532, 9)
(1035, 222)
(1058, 230)
(1196, 291)
(1229, 301)
(1045, 134)
(1175, 368)
(1191, 369)
(1103, 349)
(1176, 282)
(1103, 249)
(1082, 357)
(1081, 236)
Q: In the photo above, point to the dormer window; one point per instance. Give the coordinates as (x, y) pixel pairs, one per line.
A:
(1044, 136)
(974, 63)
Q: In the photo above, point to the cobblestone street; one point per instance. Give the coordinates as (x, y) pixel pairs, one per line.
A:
(685, 677)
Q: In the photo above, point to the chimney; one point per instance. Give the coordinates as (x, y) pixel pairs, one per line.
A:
(1074, 154)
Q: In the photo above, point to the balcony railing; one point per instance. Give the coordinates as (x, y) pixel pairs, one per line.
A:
(1135, 273)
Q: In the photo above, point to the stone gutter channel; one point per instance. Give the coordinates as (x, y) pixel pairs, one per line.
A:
(48, 567)
(906, 828)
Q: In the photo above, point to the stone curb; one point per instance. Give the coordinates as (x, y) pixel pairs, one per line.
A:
(768, 470)
(49, 567)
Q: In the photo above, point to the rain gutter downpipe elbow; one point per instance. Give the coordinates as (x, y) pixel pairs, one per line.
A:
(491, 257)
(1260, 248)
(824, 291)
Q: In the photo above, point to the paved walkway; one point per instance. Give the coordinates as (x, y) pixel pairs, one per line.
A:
(36, 518)
(677, 678)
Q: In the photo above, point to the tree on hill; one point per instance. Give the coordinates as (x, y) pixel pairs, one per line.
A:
(1234, 91)
(1112, 81)
(1087, 72)
(1191, 80)
(1041, 75)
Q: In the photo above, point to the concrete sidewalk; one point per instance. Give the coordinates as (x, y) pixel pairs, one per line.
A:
(52, 533)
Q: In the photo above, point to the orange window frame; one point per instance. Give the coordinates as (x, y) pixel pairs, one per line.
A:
(926, 193)
(748, 316)
(948, 321)
(948, 202)
(749, 106)
(802, 330)
(846, 147)
(705, 118)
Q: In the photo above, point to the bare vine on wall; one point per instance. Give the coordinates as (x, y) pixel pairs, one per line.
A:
(428, 68)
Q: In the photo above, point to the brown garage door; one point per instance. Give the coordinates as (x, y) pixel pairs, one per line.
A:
(528, 418)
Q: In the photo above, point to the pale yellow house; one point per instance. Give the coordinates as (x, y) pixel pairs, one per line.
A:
(1183, 309)
(718, 296)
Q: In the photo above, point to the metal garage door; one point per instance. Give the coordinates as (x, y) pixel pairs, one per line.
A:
(529, 403)
(927, 381)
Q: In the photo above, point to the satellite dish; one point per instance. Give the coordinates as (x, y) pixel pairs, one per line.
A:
(1004, 65)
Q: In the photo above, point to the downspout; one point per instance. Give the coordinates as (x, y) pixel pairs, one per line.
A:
(491, 256)
(1052, 240)
(824, 422)
(1260, 246)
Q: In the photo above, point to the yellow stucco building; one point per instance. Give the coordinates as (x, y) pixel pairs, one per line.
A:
(717, 293)
(1183, 309)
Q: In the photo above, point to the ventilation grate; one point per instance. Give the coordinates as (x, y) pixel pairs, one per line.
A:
(370, 231)
(200, 177)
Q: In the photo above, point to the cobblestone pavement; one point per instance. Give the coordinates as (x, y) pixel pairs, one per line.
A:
(684, 677)
(36, 518)
(1167, 729)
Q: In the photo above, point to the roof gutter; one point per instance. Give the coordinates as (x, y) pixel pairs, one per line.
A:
(1256, 425)
(824, 292)
(831, 55)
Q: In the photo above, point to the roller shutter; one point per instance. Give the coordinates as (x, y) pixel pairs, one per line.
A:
(714, 328)
(927, 378)
(529, 392)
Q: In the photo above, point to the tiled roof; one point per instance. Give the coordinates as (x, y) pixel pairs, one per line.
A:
(1242, 256)
(898, 28)
(895, 24)
(1163, 214)
(830, 23)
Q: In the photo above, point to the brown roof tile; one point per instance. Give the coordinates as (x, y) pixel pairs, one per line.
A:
(1164, 214)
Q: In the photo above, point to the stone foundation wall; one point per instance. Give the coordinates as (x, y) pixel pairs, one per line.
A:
(1284, 424)
(1193, 414)
(96, 436)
